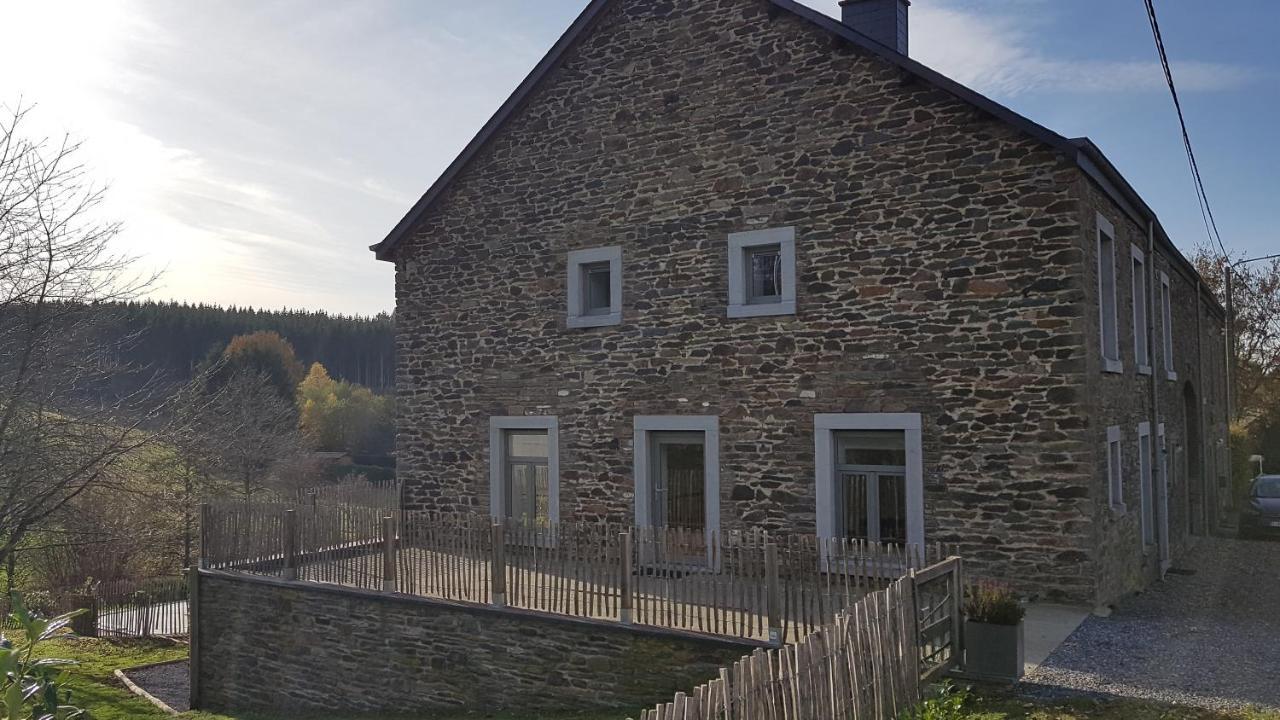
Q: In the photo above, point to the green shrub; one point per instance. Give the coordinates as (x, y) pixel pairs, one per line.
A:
(947, 704)
(994, 603)
(31, 688)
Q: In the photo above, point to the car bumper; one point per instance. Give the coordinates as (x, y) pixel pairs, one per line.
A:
(1260, 525)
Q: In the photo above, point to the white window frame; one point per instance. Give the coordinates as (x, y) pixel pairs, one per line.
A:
(1166, 323)
(739, 245)
(825, 426)
(709, 426)
(1108, 306)
(1145, 481)
(578, 318)
(1115, 468)
(1162, 498)
(497, 461)
(1141, 310)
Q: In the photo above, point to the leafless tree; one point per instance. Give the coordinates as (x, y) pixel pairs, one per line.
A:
(1255, 304)
(59, 433)
(248, 434)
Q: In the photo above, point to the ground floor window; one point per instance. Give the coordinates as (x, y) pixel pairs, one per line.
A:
(524, 483)
(871, 487)
(677, 476)
(870, 477)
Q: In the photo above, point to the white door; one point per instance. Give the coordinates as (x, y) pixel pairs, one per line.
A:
(1162, 500)
(678, 504)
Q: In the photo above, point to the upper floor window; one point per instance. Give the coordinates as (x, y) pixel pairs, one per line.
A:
(1141, 355)
(762, 273)
(1107, 308)
(1166, 322)
(595, 287)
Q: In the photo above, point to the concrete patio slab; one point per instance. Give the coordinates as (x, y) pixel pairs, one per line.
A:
(1046, 627)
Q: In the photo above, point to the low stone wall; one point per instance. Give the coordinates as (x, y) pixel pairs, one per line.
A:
(267, 645)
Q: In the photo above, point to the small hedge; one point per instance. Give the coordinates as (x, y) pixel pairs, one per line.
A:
(993, 603)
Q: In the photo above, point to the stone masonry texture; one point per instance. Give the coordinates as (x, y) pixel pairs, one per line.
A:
(298, 650)
(945, 266)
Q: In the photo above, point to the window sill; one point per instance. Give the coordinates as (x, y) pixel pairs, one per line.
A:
(1112, 366)
(787, 307)
(1144, 369)
(590, 321)
(1119, 509)
(1171, 376)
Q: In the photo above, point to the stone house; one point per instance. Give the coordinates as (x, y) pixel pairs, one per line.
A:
(726, 263)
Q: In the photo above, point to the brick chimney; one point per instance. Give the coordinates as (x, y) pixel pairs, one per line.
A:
(884, 21)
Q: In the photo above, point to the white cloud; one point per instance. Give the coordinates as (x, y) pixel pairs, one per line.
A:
(996, 54)
(237, 139)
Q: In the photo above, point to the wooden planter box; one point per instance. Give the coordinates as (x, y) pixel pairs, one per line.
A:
(993, 652)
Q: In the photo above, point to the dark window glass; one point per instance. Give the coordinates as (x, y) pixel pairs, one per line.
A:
(596, 289)
(765, 281)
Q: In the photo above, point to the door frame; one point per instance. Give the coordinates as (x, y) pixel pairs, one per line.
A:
(642, 449)
(825, 426)
(1163, 541)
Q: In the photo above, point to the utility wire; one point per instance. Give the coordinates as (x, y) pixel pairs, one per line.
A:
(1206, 212)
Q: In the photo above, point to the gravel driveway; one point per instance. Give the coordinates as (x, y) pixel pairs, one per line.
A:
(170, 683)
(1210, 638)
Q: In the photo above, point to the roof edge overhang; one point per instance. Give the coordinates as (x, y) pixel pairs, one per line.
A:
(508, 108)
(1082, 151)
(1098, 168)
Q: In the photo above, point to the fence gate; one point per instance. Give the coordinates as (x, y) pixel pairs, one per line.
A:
(938, 597)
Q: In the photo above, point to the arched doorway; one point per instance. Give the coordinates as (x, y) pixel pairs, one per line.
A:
(1194, 470)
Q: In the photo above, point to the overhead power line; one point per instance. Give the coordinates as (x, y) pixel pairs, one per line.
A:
(1206, 211)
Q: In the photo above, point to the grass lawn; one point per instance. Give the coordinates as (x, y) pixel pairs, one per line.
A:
(96, 689)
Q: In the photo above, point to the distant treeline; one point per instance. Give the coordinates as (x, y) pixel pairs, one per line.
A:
(175, 338)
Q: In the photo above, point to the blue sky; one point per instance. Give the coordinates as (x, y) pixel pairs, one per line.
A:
(255, 148)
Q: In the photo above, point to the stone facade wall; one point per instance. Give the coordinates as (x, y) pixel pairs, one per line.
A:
(938, 262)
(1125, 400)
(300, 650)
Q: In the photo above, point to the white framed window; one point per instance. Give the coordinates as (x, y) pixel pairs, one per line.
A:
(762, 273)
(524, 469)
(595, 287)
(1146, 485)
(1115, 469)
(1108, 311)
(1166, 326)
(870, 477)
(1162, 497)
(1141, 302)
(677, 478)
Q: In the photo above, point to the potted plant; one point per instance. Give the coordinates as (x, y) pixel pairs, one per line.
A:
(993, 638)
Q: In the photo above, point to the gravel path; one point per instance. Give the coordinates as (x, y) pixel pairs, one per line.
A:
(170, 683)
(1210, 638)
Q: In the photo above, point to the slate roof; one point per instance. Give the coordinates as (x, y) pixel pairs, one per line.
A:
(1083, 151)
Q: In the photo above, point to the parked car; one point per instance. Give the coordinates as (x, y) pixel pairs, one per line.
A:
(1261, 513)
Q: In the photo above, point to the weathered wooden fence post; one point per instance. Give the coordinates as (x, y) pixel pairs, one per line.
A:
(290, 542)
(203, 533)
(916, 645)
(773, 590)
(957, 612)
(388, 554)
(498, 566)
(626, 598)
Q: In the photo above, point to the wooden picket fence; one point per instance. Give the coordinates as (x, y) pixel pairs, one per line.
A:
(151, 608)
(747, 584)
(154, 607)
(868, 663)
